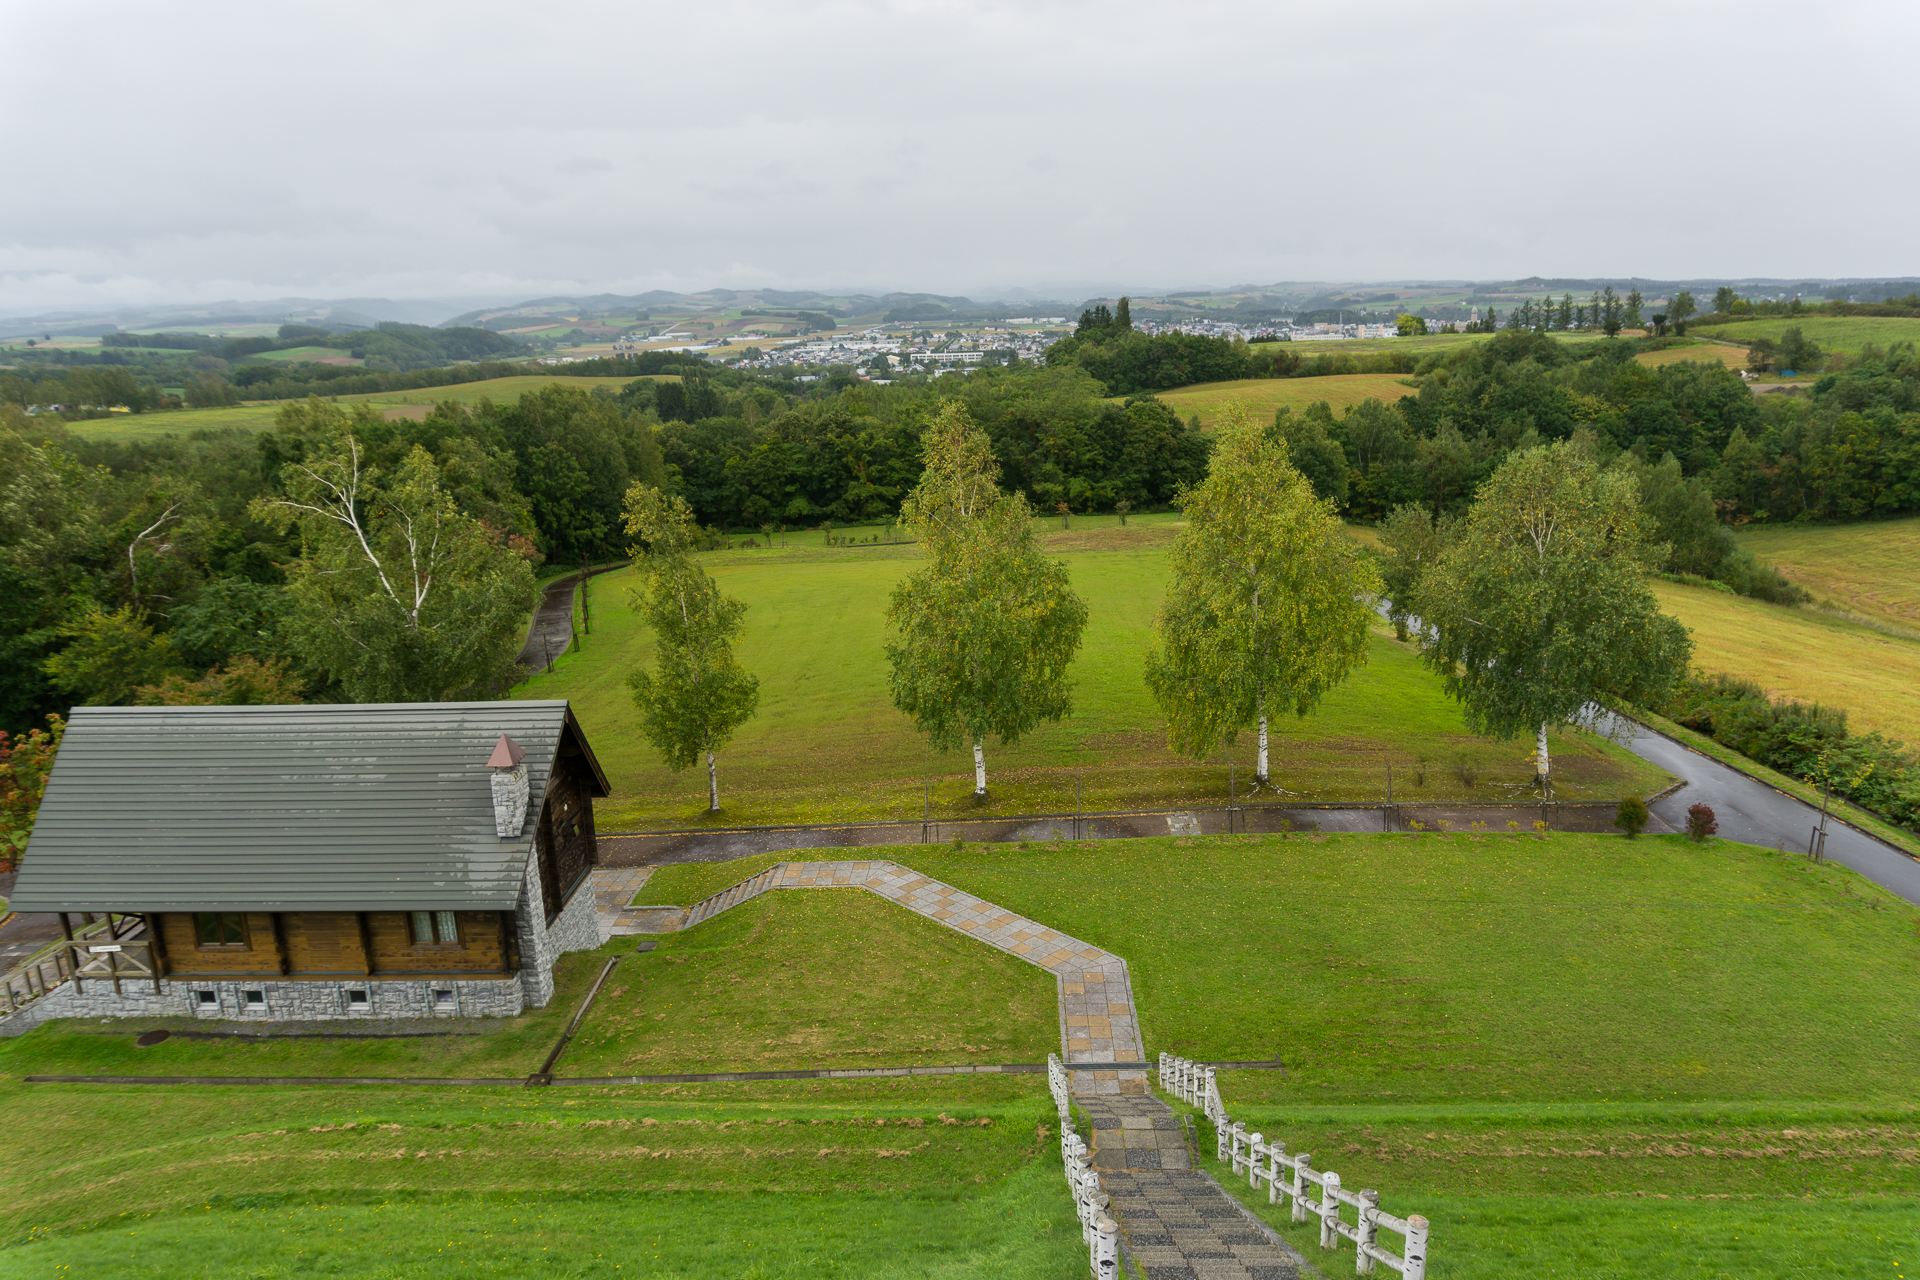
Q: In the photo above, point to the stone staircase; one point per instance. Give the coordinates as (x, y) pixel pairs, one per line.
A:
(732, 896)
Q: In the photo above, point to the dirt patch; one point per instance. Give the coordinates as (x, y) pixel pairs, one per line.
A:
(407, 413)
(1130, 538)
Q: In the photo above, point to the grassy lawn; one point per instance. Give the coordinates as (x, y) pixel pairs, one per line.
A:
(1875, 676)
(827, 744)
(1577, 1055)
(1872, 570)
(934, 1180)
(1261, 396)
(1834, 333)
(815, 978)
(179, 422)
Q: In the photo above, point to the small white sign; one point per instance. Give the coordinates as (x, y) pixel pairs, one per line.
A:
(109, 947)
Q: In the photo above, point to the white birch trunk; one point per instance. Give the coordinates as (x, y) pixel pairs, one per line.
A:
(1541, 753)
(1260, 774)
(979, 767)
(713, 786)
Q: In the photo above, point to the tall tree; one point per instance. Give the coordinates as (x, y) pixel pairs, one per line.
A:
(1723, 299)
(1122, 317)
(1414, 539)
(1539, 608)
(1269, 602)
(1680, 310)
(1611, 313)
(698, 695)
(981, 637)
(1634, 303)
(396, 594)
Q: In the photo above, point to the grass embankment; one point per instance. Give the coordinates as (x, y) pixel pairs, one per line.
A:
(827, 744)
(1532, 1041)
(1845, 334)
(1804, 654)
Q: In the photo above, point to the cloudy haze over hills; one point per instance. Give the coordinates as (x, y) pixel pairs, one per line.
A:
(392, 151)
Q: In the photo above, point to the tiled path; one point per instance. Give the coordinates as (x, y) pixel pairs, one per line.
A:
(1097, 1020)
(1177, 1224)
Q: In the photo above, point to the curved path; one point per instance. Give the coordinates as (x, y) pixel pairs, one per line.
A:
(1750, 811)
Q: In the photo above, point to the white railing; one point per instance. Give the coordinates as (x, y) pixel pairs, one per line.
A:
(1097, 1227)
(1292, 1178)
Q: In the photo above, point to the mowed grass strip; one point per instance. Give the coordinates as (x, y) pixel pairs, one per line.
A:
(1551, 1191)
(211, 1182)
(1483, 966)
(828, 746)
(1262, 396)
(815, 978)
(1805, 655)
(1869, 569)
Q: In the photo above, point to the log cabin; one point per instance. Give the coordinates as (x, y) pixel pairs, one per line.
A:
(316, 862)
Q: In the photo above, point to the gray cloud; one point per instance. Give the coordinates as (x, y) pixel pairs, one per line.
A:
(408, 149)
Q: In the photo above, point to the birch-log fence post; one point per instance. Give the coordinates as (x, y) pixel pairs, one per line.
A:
(1292, 1179)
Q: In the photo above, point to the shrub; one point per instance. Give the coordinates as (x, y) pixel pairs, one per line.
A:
(1700, 823)
(1632, 816)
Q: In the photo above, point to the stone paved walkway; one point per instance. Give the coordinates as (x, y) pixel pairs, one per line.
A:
(1097, 1019)
(1177, 1224)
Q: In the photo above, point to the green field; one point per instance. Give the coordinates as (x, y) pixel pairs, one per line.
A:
(1703, 351)
(1869, 570)
(827, 745)
(1873, 675)
(1846, 334)
(1577, 1055)
(1261, 396)
(259, 414)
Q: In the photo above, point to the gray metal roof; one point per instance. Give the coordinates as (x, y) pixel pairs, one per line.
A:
(302, 808)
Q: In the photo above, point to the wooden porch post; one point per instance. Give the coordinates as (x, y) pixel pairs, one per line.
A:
(156, 953)
(73, 961)
(366, 945)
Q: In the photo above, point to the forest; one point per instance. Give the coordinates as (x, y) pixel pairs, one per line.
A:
(173, 568)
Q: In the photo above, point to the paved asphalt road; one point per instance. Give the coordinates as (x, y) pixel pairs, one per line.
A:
(1751, 811)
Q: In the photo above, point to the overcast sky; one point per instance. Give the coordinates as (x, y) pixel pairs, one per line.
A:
(200, 151)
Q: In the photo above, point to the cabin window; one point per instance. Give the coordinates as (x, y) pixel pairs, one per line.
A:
(221, 928)
(357, 1001)
(255, 1000)
(208, 999)
(443, 999)
(431, 927)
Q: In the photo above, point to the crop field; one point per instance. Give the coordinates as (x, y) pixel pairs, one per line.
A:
(142, 426)
(320, 355)
(1846, 334)
(496, 389)
(1262, 396)
(1804, 654)
(1705, 351)
(1577, 1055)
(827, 744)
(1871, 570)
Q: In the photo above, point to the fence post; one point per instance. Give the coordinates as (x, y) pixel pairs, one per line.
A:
(1236, 1136)
(1329, 1210)
(1416, 1250)
(1106, 1248)
(1276, 1157)
(1302, 1164)
(1369, 1231)
(1254, 1142)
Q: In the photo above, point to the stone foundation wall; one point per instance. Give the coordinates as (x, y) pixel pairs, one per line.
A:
(281, 1000)
(578, 927)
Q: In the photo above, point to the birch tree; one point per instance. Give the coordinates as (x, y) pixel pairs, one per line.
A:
(1538, 611)
(979, 640)
(398, 595)
(698, 694)
(1269, 601)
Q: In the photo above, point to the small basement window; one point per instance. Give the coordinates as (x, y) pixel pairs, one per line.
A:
(221, 928)
(207, 999)
(254, 999)
(357, 1000)
(430, 927)
(443, 998)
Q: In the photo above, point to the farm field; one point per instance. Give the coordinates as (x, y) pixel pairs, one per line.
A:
(1804, 654)
(1262, 396)
(1704, 351)
(1872, 570)
(1505, 1007)
(827, 745)
(496, 389)
(1845, 334)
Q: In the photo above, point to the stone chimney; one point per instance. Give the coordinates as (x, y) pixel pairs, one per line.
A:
(509, 765)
